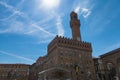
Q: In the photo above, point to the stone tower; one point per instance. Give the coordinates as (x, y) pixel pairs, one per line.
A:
(75, 26)
(68, 59)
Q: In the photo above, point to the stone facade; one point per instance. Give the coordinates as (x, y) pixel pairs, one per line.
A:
(99, 69)
(33, 72)
(14, 72)
(109, 66)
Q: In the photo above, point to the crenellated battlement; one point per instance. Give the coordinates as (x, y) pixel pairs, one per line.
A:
(67, 42)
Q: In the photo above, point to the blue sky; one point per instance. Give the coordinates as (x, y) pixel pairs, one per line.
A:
(27, 26)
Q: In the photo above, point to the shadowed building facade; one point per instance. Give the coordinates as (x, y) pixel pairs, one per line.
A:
(108, 65)
(14, 72)
(67, 59)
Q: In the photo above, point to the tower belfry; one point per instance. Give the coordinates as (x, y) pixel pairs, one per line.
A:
(75, 26)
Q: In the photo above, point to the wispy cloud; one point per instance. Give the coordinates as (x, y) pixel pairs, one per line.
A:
(83, 11)
(86, 12)
(14, 27)
(60, 26)
(82, 7)
(4, 19)
(41, 29)
(16, 56)
(11, 8)
(29, 28)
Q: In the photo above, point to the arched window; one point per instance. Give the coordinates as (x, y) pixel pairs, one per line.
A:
(110, 66)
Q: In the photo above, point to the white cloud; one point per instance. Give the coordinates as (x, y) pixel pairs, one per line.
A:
(19, 27)
(41, 29)
(17, 56)
(11, 8)
(4, 31)
(15, 27)
(60, 26)
(6, 18)
(31, 27)
(82, 11)
(86, 12)
(77, 9)
(83, 7)
(6, 5)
